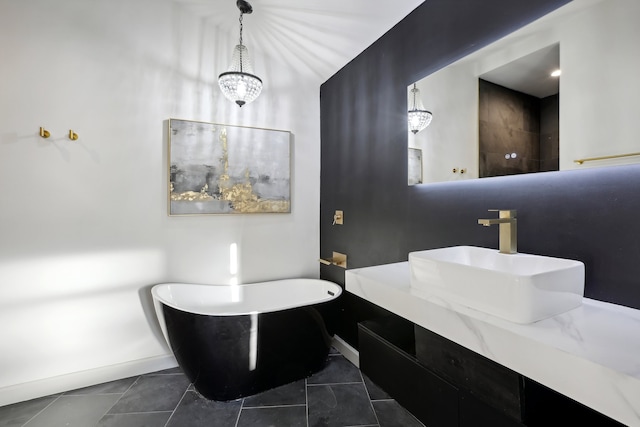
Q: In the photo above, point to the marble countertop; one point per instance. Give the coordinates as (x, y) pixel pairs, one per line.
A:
(591, 353)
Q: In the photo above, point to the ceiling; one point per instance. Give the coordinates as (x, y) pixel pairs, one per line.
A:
(530, 74)
(315, 37)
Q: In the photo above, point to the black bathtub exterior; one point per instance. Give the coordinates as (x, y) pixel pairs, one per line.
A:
(215, 351)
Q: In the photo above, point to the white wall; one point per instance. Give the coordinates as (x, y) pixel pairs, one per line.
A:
(84, 230)
(451, 140)
(599, 88)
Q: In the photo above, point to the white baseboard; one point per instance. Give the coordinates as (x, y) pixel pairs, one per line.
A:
(75, 380)
(350, 353)
(58, 384)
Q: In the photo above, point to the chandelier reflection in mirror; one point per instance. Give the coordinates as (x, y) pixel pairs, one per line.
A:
(238, 83)
(419, 118)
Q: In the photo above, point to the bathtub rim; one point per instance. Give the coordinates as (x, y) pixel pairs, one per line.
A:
(159, 299)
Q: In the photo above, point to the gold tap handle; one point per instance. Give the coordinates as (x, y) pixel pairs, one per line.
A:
(505, 213)
(337, 218)
(337, 259)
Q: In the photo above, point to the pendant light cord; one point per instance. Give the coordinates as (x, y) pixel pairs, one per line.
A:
(241, 40)
(414, 90)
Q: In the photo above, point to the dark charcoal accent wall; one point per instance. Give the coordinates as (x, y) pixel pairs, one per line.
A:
(589, 215)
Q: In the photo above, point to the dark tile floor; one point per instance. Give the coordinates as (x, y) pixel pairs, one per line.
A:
(337, 396)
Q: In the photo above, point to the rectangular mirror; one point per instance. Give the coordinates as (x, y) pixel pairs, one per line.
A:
(502, 101)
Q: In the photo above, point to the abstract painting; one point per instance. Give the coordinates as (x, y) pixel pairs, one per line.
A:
(222, 169)
(415, 166)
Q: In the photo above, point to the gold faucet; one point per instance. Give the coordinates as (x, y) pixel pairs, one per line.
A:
(508, 229)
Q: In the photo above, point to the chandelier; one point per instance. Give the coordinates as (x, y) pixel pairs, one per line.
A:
(419, 118)
(238, 83)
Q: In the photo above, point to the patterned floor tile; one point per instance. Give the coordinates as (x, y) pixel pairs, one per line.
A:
(339, 405)
(148, 419)
(289, 394)
(196, 411)
(338, 370)
(282, 416)
(74, 411)
(19, 413)
(391, 414)
(151, 393)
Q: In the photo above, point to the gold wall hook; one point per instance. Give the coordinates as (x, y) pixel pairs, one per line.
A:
(72, 135)
(44, 133)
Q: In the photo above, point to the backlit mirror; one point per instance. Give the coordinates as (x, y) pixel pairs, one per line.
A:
(499, 111)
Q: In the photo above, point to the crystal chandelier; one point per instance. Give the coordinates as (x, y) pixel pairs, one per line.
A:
(419, 118)
(238, 83)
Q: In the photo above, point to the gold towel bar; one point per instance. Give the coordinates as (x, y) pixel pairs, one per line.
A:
(615, 156)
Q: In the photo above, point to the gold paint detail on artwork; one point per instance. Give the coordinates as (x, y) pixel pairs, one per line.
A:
(192, 196)
(241, 196)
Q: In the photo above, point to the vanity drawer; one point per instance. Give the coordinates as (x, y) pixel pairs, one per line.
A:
(476, 413)
(489, 382)
(427, 396)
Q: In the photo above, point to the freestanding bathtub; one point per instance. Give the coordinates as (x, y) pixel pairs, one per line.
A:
(233, 341)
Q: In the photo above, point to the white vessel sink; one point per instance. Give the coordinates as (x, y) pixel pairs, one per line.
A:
(521, 288)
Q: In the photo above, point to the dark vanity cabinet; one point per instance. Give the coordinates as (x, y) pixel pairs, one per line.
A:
(484, 384)
(444, 384)
(387, 357)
